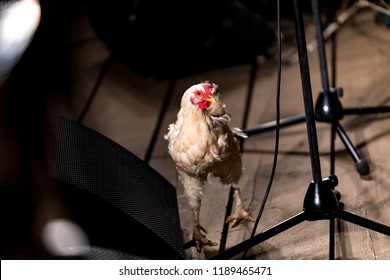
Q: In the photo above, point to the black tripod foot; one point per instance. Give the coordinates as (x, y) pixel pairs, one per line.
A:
(362, 167)
(361, 164)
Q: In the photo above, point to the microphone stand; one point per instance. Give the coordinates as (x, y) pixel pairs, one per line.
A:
(328, 107)
(321, 201)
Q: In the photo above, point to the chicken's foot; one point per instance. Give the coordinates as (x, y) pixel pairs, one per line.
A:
(199, 238)
(241, 213)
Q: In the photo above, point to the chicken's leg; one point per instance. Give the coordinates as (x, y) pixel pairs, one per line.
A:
(241, 213)
(199, 238)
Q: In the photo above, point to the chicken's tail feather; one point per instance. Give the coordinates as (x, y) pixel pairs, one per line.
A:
(239, 133)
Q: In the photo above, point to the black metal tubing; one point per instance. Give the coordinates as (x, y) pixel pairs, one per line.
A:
(331, 238)
(347, 142)
(362, 165)
(225, 228)
(320, 46)
(160, 119)
(272, 125)
(307, 93)
(332, 149)
(103, 72)
(363, 222)
(251, 85)
(261, 237)
(366, 110)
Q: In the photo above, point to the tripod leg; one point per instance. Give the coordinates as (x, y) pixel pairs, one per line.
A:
(361, 165)
(360, 221)
(251, 85)
(366, 110)
(163, 110)
(225, 229)
(106, 66)
(331, 238)
(332, 149)
(272, 125)
(241, 247)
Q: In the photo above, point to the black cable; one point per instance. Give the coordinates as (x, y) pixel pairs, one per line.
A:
(276, 150)
(106, 66)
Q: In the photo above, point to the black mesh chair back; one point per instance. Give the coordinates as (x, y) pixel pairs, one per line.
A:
(121, 202)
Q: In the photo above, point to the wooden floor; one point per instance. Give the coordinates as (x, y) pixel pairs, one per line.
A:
(126, 109)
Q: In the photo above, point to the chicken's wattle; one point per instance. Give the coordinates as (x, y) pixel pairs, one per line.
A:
(205, 104)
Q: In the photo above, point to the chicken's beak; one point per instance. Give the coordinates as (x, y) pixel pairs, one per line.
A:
(211, 99)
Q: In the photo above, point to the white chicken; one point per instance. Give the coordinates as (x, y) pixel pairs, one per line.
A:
(202, 144)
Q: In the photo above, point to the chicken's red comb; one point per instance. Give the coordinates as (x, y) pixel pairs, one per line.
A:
(208, 89)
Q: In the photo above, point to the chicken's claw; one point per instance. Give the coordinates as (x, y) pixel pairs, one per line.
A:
(200, 239)
(204, 242)
(240, 214)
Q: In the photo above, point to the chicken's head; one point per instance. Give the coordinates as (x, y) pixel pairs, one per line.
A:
(202, 95)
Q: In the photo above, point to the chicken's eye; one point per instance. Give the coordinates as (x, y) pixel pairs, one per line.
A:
(198, 93)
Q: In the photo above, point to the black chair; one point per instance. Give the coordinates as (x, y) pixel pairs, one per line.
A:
(122, 203)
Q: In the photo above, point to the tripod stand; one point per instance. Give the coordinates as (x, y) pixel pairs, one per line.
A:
(328, 107)
(321, 201)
